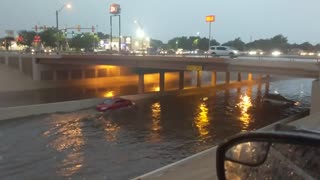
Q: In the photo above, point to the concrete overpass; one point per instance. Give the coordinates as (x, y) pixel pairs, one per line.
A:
(69, 67)
(273, 66)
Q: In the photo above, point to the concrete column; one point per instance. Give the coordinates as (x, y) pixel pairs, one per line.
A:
(199, 75)
(227, 77)
(20, 64)
(6, 60)
(315, 97)
(83, 73)
(95, 72)
(250, 76)
(55, 75)
(69, 75)
(214, 78)
(239, 77)
(162, 81)
(35, 70)
(141, 84)
(181, 80)
(267, 87)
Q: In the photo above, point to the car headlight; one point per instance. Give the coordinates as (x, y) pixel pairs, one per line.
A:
(276, 53)
(252, 52)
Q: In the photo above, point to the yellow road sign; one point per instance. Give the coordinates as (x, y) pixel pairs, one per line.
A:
(194, 68)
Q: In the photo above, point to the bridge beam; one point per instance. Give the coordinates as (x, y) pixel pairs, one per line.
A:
(141, 84)
(181, 80)
(162, 81)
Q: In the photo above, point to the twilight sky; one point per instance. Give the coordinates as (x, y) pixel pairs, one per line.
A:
(165, 19)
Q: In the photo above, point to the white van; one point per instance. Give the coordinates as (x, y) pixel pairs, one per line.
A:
(223, 51)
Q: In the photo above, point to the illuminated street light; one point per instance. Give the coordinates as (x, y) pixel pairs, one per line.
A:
(68, 6)
(140, 33)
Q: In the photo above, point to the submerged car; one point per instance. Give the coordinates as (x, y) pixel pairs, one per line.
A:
(114, 103)
(277, 99)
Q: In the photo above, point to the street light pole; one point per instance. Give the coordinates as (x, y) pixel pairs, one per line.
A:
(57, 19)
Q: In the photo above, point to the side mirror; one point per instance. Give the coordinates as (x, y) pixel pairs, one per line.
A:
(262, 155)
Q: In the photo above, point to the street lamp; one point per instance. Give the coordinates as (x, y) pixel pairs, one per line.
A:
(68, 6)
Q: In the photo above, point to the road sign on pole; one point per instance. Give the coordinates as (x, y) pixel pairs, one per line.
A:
(210, 19)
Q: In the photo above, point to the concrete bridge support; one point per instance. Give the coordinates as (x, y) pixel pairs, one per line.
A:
(214, 78)
(315, 97)
(239, 77)
(199, 77)
(141, 84)
(181, 80)
(227, 80)
(250, 76)
(162, 81)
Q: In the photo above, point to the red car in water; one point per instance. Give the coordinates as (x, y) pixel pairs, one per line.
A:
(114, 103)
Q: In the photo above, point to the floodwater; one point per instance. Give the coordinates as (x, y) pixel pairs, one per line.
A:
(126, 143)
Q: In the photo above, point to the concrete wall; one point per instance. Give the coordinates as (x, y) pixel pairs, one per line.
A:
(2, 60)
(315, 97)
(14, 62)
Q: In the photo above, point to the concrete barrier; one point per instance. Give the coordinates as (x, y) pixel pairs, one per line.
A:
(68, 106)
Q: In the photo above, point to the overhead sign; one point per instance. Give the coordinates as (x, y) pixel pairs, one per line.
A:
(115, 9)
(210, 18)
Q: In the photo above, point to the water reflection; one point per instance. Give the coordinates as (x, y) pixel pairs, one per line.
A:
(245, 117)
(156, 122)
(202, 120)
(111, 130)
(156, 116)
(70, 139)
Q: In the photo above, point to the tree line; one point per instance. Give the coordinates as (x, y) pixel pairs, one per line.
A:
(278, 42)
(54, 38)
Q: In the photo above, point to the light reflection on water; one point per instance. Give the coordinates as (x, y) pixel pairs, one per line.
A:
(155, 135)
(245, 117)
(202, 121)
(70, 139)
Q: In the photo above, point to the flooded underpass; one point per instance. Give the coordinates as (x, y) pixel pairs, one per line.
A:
(128, 142)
